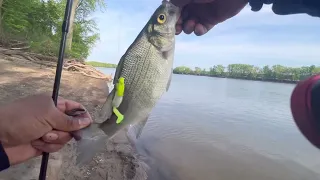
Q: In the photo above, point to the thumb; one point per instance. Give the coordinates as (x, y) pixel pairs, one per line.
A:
(68, 123)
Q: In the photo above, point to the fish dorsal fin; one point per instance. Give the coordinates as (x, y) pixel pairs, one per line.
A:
(169, 81)
(118, 70)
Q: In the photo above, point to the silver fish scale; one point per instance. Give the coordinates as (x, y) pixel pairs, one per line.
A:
(146, 71)
(146, 74)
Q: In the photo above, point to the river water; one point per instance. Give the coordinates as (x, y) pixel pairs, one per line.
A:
(225, 129)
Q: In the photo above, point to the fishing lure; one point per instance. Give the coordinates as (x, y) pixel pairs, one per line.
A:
(117, 100)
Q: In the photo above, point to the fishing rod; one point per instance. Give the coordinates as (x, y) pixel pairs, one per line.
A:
(56, 86)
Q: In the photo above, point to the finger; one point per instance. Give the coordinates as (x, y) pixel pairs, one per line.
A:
(189, 26)
(200, 29)
(46, 147)
(21, 153)
(57, 137)
(179, 25)
(63, 122)
(65, 105)
(178, 29)
(180, 21)
(68, 123)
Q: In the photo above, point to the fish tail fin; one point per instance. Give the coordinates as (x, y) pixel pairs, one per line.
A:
(131, 135)
(134, 131)
(141, 166)
(106, 109)
(139, 127)
(92, 141)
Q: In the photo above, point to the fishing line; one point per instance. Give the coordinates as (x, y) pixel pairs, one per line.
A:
(56, 86)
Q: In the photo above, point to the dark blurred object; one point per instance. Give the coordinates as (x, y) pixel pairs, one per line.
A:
(305, 108)
(287, 7)
(256, 5)
(76, 113)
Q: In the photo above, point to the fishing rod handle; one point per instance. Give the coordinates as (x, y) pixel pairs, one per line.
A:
(305, 108)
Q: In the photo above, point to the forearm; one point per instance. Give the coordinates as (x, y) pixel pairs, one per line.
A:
(4, 119)
(286, 7)
(4, 160)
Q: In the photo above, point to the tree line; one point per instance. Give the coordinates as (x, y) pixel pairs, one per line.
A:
(35, 25)
(245, 71)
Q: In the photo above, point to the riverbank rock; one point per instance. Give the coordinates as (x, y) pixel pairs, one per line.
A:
(20, 78)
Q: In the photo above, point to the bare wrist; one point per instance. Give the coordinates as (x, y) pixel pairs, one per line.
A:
(287, 7)
(3, 124)
(4, 160)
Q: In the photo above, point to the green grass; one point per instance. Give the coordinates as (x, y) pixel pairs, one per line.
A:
(101, 64)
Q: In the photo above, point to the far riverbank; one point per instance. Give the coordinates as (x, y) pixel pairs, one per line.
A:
(275, 73)
(246, 78)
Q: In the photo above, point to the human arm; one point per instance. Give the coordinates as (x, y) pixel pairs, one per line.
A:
(200, 16)
(4, 161)
(287, 7)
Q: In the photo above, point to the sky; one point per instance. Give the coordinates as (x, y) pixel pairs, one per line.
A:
(257, 38)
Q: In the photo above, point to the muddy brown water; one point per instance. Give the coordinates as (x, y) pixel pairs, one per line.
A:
(224, 129)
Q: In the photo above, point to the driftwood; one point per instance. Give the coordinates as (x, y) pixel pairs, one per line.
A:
(86, 70)
(49, 61)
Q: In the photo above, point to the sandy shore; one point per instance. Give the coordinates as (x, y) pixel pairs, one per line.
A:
(22, 78)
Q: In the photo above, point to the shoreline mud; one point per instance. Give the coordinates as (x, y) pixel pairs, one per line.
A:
(22, 77)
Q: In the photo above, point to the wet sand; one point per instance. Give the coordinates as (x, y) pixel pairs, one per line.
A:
(207, 162)
(20, 78)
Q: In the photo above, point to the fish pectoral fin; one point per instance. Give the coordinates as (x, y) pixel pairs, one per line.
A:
(169, 81)
(106, 110)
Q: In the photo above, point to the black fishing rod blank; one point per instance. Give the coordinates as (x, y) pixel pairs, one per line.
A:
(56, 86)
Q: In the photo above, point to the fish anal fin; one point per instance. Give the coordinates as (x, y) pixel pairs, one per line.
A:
(92, 141)
(169, 81)
(134, 131)
(106, 110)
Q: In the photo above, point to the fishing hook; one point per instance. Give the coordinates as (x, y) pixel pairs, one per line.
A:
(56, 86)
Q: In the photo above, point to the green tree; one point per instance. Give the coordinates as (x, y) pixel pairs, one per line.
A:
(81, 9)
(37, 23)
(197, 70)
(246, 71)
(182, 70)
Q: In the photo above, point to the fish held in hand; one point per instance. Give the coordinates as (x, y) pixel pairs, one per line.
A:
(142, 76)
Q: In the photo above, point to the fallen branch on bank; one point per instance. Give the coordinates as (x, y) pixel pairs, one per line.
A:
(86, 70)
(49, 61)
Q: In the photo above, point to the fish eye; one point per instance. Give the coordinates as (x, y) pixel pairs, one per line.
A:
(161, 18)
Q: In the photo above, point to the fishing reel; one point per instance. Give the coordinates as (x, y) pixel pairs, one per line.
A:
(305, 108)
